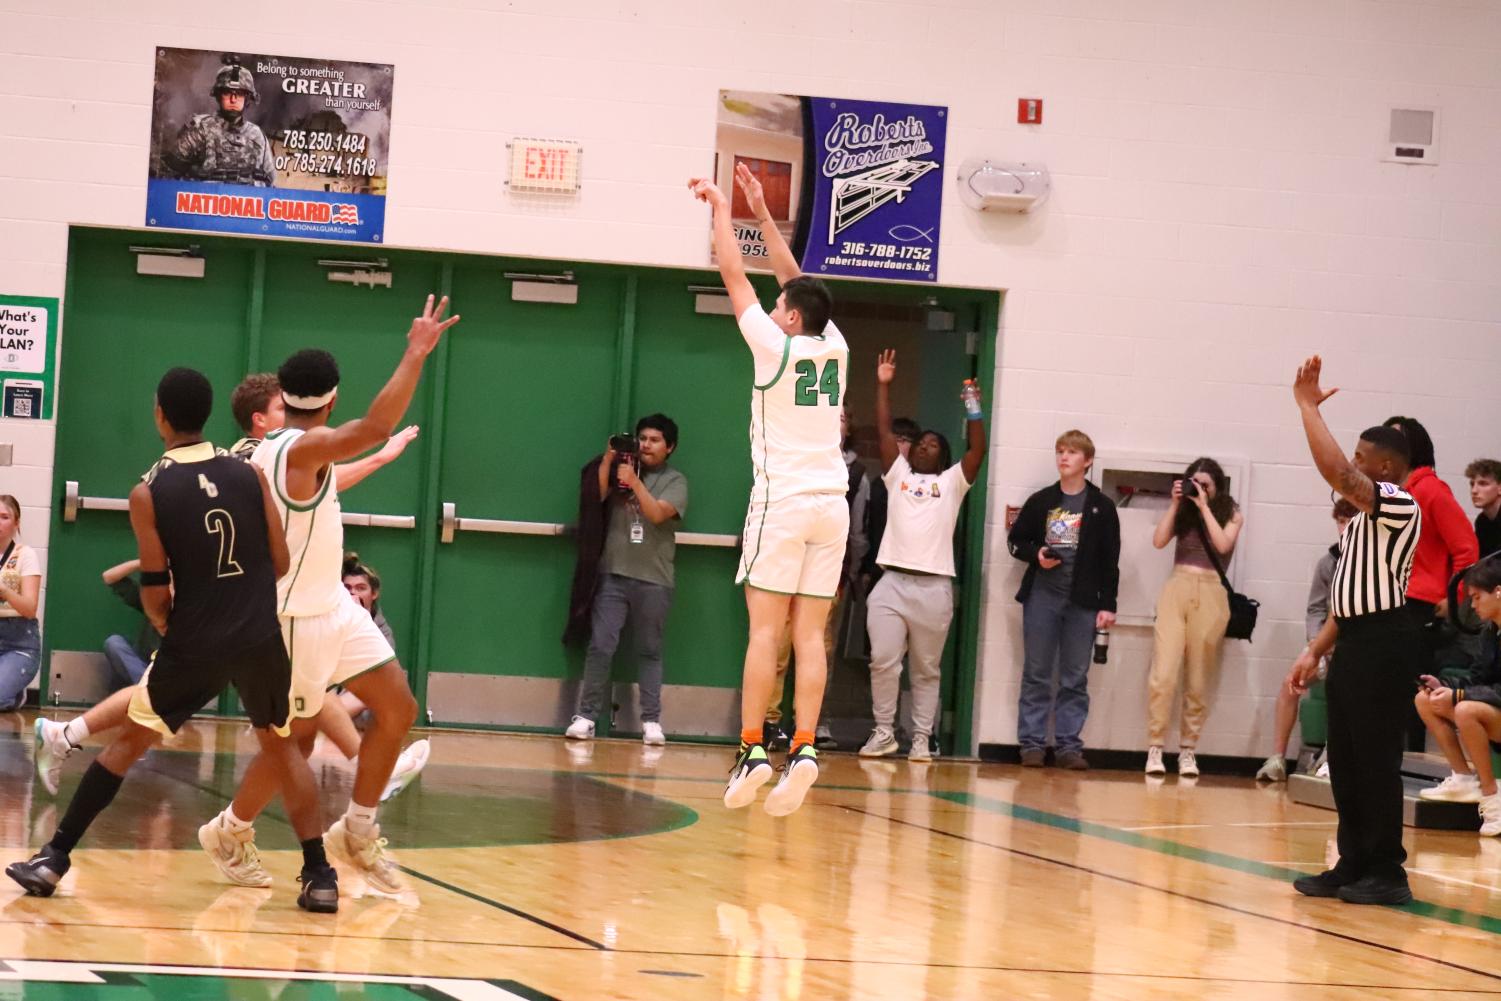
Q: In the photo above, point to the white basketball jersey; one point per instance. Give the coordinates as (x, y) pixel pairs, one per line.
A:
(315, 534)
(799, 393)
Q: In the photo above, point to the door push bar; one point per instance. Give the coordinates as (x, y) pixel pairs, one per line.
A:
(73, 502)
(453, 524)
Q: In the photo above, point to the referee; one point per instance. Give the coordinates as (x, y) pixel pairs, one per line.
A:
(1370, 676)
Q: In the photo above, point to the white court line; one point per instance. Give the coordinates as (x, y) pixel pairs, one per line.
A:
(1453, 879)
(1204, 827)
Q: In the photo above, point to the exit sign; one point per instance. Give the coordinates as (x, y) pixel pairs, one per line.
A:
(545, 165)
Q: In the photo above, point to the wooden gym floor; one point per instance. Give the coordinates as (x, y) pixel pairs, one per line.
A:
(543, 870)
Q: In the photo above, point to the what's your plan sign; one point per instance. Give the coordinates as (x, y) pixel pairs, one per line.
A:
(28, 347)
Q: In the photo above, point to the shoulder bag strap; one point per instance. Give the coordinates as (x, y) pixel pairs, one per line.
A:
(1214, 557)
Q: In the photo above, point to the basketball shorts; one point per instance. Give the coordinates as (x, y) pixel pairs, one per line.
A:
(177, 685)
(795, 545)
(329, 650)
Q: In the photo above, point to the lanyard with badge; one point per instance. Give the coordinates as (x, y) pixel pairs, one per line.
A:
(638, 530)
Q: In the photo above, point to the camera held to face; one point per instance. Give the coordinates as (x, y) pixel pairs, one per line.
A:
(626, 450)
(1190, 488)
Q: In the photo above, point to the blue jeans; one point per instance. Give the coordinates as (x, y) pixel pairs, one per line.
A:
(20, 658)
(125, 664)
(644, 605)
(1056, 633)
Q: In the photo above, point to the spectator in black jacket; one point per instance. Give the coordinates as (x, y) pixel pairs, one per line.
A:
(1464, 713)
(1069, 536)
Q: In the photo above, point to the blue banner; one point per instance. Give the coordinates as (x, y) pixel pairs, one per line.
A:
(243, 208)
(877, 173)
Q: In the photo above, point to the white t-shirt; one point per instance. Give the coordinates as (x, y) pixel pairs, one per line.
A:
(921, 510)
(799, 392)
(315, 534)
(23, 562)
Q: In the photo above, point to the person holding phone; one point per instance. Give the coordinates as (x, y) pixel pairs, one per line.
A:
(1464, 714)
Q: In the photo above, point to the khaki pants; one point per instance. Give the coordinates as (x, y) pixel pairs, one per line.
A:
(784, 656)
(1192, 613)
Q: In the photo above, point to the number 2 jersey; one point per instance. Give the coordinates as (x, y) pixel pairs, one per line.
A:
(799, 394)
(211, 517)
(315, 534)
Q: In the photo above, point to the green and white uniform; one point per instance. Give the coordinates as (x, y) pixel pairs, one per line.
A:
(329, 637)
(798, 522)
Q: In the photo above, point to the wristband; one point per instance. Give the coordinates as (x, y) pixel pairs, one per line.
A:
(975, 415)
(155, 578)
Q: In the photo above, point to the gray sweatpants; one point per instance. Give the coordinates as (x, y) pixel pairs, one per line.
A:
(645, 605)
(908, 613)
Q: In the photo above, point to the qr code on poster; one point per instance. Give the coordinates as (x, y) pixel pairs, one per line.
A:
(23, 406)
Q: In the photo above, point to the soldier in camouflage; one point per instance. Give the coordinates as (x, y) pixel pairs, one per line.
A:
(224, 147)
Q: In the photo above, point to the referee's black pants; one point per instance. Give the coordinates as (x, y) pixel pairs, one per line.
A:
(1369, 688)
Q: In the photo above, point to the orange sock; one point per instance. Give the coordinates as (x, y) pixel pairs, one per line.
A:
(751, 735)
(802, 737)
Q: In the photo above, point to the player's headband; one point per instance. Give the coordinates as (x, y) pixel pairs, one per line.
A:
(309, 402)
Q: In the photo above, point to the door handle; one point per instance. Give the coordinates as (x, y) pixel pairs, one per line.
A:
(360, 520)
(73, 502)
(453, 524)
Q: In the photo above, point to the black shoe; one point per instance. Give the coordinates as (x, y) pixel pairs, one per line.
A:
(1326, 884)
(773, 737)
(823, 740)
(40, 874)
(1376, 890)
(320, 890)
(1034, 757)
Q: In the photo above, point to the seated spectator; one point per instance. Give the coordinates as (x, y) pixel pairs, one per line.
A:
(1274, 769)
(20, 590)
(1464, 716)
(1485, 493)
(633, 551)
(128, 659)
(1192, 610)
(363, 584)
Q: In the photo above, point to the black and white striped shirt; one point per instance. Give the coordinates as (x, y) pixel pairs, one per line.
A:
(1375, 556)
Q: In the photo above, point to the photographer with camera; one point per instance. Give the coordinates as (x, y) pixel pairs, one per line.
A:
(644, 499)
(1192, 610)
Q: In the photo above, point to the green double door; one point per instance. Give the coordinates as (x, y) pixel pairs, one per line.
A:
(465, 528)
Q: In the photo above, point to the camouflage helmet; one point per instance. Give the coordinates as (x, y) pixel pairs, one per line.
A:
(235, 79)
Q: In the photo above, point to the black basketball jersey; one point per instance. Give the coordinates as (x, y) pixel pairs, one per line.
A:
(211, 516)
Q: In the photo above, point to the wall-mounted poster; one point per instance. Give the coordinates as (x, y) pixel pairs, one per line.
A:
(28, 347)
(856, 187)
(269, 145)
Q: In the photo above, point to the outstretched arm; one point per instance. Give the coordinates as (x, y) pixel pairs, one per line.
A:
(1333, 465)
(974, 455)
(885, 372)
(347, 474)
(120, 571)
(726, 247)
(783, 264)
(320, 447)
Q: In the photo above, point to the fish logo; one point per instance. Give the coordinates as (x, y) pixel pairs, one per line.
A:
(908, 234)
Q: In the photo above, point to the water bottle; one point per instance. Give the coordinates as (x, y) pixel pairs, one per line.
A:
(1101, 645)
(970, 396)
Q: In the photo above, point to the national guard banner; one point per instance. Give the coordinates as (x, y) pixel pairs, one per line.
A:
(856, 187)
(269, 145)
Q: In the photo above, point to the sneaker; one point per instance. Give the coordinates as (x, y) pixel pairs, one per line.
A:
(1376, 890)
(40, 874)
(751, 772)
(367, 854)
(1034, 757)
(798, 776)
(1273, 769)
(51, 748)
(774, 737)
(580, 729)
(881, 743)
(234, 853)
(651, 733)
(1490, 815)
(1188, 765)
(1322, 772)
(1457, 788)
(1073, 761)
(320, 890)
(408, 766)
(823, 739)
(1154, 761)
(1325, 884)
(921, 749)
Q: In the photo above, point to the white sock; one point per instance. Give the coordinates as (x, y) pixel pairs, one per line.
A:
(359, 819)
(231, 822)
(76, 731)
